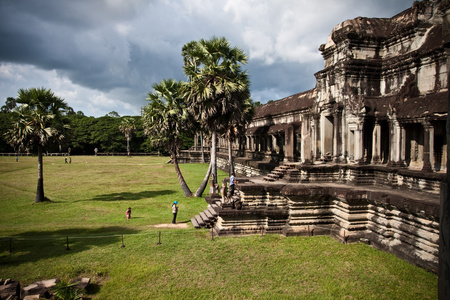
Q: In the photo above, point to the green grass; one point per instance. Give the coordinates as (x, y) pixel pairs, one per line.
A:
(88, 204)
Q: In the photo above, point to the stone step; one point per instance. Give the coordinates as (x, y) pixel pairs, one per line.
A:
(212, 211)
(271, 175)
(204, 217)
(200, 221)
(195, 223)
(209, 215)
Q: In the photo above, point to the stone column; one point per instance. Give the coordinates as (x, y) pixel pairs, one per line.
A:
(337, 145)
(274, 143)
(316, 136)
(376, 142)
(289, 144)
(428, 141)
(306, 151)
(358, 143)
(444, 220)
(196, 141)
(396, 141)
(402, 146)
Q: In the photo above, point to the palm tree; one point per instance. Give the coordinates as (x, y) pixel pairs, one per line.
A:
(235, 124)
(165, 117)
(38, 122)
(213, 68)
(127, 127)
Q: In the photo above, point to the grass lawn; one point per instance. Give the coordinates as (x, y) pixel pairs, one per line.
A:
(89, 198)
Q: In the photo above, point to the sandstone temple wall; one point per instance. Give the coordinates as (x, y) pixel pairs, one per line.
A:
(380, 99)
(364, 152)
(404, 224)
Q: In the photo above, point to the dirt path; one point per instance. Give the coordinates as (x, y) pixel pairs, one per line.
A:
(170, 225)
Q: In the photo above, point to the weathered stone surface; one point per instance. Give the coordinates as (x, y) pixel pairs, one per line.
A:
(9, 289)
(399, 222)
(83, 282)
(40, 288)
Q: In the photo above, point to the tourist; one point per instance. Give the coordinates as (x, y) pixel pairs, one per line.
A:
(174, 211)
(232, 182)
(129, 213)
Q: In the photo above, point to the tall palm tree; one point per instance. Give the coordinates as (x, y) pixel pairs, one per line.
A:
(38, 122)
(235, 124)
(214, 71)
(165, 117)
(127, 127)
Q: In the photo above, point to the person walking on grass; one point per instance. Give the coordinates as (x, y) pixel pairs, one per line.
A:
(129, 213)
(174, 212)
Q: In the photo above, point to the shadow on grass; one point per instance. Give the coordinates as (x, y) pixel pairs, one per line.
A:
(128, 196)
(33, 246)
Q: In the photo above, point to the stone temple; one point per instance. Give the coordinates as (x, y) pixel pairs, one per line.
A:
(361, 156)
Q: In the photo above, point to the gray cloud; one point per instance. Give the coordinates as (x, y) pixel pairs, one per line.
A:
(105, 55)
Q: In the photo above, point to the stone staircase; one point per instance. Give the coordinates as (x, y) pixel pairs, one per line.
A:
(208, 217)
(278, 173)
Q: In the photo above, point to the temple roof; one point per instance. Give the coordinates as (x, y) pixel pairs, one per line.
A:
(431, 105)
(300, 101)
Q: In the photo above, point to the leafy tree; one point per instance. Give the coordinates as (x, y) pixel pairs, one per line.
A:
(127, 127)
(82, 134)
(165, 118)
(215, 76)
(10, 104)
(113, 114)
(38, 123)
(107, 137)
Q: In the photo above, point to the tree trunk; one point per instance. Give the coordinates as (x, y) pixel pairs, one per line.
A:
(40, 184)
(230, 156)
(213, 183)
(202, 187)
(187, 192)
(128, 146)
(201, 145)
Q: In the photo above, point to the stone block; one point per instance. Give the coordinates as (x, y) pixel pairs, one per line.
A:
(10, 289)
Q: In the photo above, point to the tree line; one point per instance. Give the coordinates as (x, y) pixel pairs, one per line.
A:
(215, 100)
(90, 133)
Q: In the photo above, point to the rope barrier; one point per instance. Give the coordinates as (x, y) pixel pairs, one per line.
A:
(158, 233)
(48, 238)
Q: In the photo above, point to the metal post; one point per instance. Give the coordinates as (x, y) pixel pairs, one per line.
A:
(159, 243)
(123, 245)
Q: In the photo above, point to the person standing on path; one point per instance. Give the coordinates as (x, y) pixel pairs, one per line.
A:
(174, 212)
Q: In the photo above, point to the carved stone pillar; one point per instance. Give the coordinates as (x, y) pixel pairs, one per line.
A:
(289, 144)
(316, 136)
(358, 143)
(396, 142)
(428, 141)
(306, 150)
(337, 144)
(274, 143)
(196, 141)
(376, 142)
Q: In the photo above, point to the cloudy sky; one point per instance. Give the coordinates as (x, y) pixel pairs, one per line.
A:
(105, 55)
